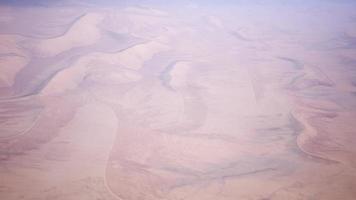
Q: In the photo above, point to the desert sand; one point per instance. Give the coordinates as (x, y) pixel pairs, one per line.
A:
(170, 101)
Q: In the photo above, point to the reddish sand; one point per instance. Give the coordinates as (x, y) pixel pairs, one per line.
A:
(153, 102)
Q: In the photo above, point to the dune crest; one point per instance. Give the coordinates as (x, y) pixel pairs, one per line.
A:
(169, 101)
(84, 32)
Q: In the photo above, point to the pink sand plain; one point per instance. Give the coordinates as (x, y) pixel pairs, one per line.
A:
(158, 103)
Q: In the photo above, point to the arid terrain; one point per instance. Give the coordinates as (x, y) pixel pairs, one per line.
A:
(178, 101)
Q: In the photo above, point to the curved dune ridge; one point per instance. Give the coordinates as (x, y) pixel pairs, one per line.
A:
(132, 58)
(161, 102)
(83, 32)
(12, 59)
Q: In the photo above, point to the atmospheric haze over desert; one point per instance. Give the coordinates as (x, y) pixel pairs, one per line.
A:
(178, 100)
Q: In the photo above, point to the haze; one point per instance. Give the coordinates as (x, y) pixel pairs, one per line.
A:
(177, 100)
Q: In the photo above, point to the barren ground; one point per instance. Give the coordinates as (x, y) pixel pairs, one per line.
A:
(186, 101)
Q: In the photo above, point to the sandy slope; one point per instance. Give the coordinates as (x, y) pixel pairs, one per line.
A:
(209, 103)
(130, 59)
(12, 59)
(83, 32)
(71, 163)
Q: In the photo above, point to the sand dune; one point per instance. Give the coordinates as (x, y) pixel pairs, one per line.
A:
(12, 59)
(83, 32)
(135, 57)
(60, 177)
(165, 102)
(130, 59)
(11, 64)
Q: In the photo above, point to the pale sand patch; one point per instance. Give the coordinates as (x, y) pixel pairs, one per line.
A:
(135, 57)
(12, 59)
(80, 152)
(83, 32)
(215, 22)
(142, 23)
(18, 117)
(145, 11)
(132, 58)
(179, 74)
(223, 126)
(112, 76)
(67, 79)
(317, 139)
(91, 132)
(153, 106)
(9, 67)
